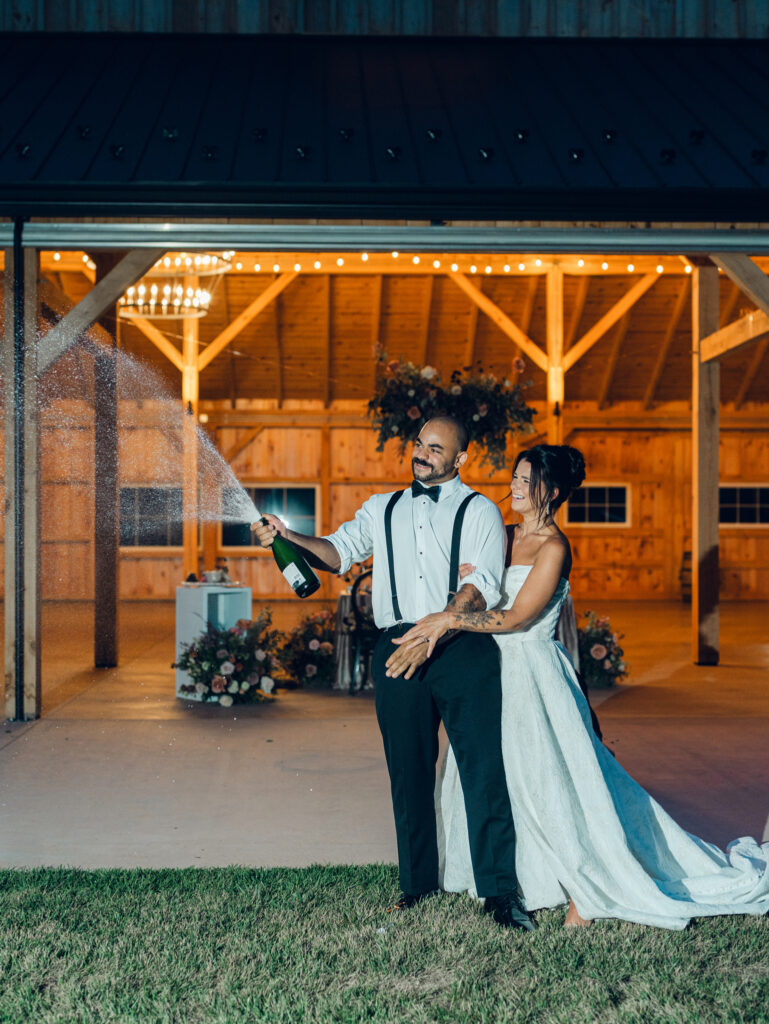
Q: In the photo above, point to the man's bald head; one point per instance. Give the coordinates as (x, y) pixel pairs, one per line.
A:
(461, 432)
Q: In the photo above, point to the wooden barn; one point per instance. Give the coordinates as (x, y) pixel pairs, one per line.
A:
(593, 207)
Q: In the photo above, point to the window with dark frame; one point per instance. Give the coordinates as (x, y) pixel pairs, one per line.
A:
(743, 504)
(151, 517)
(294, 505)
(598, 504)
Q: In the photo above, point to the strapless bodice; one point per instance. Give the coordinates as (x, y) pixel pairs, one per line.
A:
(543, 628)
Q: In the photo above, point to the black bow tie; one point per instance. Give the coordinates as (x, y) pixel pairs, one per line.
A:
(431, 492)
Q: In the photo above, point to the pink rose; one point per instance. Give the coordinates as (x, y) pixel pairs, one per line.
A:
(607, 664)
(222, 654)
(218, 683)
(311, 670)
(314, 644)
(483, 409)
(598, 651)
(327, 647)
(393, 365)
(414, 412)
(518, 365)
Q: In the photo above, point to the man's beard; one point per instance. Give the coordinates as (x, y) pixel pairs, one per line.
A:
(436, 472)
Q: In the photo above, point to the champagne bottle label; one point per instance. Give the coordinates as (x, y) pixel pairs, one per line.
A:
(293, 576)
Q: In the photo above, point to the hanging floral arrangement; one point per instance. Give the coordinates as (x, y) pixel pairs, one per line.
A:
(407, 395)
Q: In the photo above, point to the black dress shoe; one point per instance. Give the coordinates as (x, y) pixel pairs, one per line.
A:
(409, 899)
(508, 911)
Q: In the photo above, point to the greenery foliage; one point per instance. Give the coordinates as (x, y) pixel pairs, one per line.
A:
(407, 395)
(315, 946)
(307, 654)
(600, 655)
(232, 666)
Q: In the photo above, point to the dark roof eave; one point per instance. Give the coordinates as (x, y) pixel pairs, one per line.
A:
(387, 202)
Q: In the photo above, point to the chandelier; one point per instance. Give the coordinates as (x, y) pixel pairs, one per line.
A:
(171, 289)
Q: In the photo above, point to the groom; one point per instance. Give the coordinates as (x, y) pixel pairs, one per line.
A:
(418, 538)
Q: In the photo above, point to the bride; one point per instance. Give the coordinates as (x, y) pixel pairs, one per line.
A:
(586, 832)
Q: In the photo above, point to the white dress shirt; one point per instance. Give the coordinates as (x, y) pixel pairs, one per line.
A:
(421, 532)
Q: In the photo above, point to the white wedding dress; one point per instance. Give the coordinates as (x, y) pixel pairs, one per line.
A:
(584, 828)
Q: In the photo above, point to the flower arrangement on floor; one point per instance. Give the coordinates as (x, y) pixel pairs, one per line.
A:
(407, 395)
(307, 655)
(232, 666)
(600, 655)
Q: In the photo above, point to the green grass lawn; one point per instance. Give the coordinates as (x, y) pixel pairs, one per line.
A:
(316, 945)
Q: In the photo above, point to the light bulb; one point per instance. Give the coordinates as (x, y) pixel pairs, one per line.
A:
(297, 267)
(364, 257)
(660, 268)
(521, 266)
(436, 263)
(276, 267)
(507, 268)
(604, 266)
(415, 259)
(455, 267)
(257, 267)
(85, 258)
(339, 261)
(238, 266)
(316, 264)
(630, 268)
(488, 270)
(688, 268)
(473, 269)
(57, 255)
(538, 262)
(580, 263)
(395, 254)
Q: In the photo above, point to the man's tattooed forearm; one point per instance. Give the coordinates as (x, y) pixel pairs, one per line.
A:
(481, 622)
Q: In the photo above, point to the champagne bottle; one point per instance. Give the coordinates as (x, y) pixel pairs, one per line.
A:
(292, 563)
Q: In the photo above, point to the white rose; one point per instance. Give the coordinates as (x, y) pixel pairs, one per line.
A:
(244, 688)
(201, 688)
(267, 685)
(260, 655)
(227, 668)
(253, 679)
(456, 389)
(225, 701)
(475, 417)
(428, 372)
(411, 392)
(233, 687)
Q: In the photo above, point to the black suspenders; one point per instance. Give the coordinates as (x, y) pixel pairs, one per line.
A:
(456, 537)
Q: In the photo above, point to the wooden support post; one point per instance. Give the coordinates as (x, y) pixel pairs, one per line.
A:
(555, 371)
(190, 394)
(106, 552)
(324, 525)
(22, 485)
(705, 413)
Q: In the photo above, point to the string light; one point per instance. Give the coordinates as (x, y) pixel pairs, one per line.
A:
(521, 266)
(660, 268)
(580, 263)
(238, 266)
(455, 267)
(604, 266)
(688, 268)
(364, 257)
(507, 268)
(57, 256)
(488, 270)
(395, 254)
(316, 264)
(436, 263)
(257, 267)
(415, 259)
(473, 269)
(297, 267)
(339, 261)
(85, 258)
(538, 262)
(276, 267)
(630, 268)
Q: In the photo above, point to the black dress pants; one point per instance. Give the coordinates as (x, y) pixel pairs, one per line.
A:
(460, 685)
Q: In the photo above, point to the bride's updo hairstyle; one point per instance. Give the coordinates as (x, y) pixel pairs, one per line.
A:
(554, 467)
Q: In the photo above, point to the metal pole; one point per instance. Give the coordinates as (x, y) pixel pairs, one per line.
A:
(18, 462)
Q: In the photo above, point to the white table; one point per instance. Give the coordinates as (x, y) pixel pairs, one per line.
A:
(197, 604)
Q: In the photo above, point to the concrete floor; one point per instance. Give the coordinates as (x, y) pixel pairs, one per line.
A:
(120, 773)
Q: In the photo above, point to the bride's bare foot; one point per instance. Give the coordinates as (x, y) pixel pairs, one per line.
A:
(573, 920)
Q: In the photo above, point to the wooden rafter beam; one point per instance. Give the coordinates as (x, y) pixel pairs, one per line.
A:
(531, 350)
(748, 328)
(158, 339)
(59, 302)
(242, 443)
(681, 303)
(727, 309)
(221, 341)
(326, 339)
(611, 363)
(472, 333)
(424, 324)
(747, 275)
(608, 320)
(751, 372)
(99, 299)
(576, 312)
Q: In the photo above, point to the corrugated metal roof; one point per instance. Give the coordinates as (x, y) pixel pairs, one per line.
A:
(427, 128)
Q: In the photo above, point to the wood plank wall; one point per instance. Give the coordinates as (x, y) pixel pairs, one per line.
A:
(570, 18)
(642, 560)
